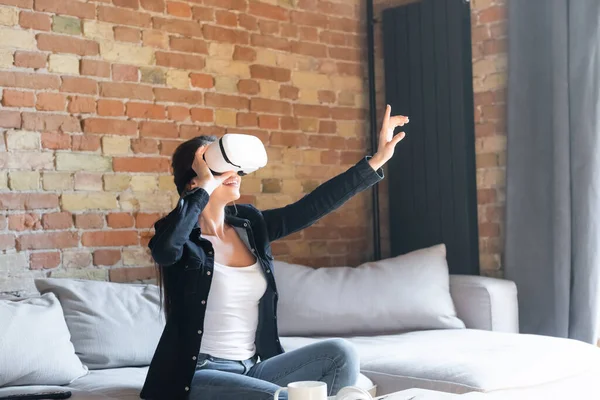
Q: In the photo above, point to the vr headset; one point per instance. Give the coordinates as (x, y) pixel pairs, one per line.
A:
(235, 152)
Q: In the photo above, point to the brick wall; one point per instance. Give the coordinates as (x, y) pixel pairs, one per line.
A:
(488, 20)
(489, 36)
(95, 96)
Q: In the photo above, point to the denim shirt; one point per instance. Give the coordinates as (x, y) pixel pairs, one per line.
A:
(189, 260)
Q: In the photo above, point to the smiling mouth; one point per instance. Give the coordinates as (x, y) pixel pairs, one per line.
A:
(232, 183)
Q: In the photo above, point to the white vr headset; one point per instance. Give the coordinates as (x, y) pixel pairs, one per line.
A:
(236, 152)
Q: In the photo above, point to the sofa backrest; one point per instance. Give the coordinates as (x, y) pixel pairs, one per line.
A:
(117, 325)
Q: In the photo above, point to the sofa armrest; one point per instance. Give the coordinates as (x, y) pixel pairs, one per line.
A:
(485, 303)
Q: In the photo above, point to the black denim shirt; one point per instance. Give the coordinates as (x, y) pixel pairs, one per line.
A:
(177, 244)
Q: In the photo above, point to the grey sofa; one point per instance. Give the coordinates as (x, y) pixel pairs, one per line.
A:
(487, 358)
(487, 304)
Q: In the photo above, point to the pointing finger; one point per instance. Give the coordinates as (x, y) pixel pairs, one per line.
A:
(386, 118)
(388, 112)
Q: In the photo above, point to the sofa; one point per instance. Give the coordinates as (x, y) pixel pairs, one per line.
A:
(417, 330)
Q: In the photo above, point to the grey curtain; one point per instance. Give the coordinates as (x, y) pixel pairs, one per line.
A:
(553, 165)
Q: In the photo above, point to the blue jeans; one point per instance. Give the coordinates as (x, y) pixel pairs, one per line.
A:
(333, 361)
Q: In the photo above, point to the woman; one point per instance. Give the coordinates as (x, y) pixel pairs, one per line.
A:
(220, 296)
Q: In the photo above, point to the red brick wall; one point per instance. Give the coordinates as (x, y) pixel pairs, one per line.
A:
(95, 96)
(489, 30)
(488, 20)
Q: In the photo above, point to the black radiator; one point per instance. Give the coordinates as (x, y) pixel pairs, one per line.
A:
(428, 76)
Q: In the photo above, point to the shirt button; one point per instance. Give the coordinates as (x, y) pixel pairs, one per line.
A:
(210, 253)
(268, 271)
(199, 332)
(253, 251)
(203, 302)
(245, 225)
(187, 389)
(194, 358)
(186, 266)
(208, 273)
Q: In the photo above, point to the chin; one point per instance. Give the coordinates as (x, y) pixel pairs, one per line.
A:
(232, 191)
(226, 194)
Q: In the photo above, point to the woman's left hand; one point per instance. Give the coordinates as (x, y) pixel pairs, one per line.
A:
(387, 140)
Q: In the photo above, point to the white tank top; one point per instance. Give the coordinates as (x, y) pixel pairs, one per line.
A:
(232, 311)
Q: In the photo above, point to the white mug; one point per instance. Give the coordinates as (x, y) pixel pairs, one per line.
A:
(304, 390)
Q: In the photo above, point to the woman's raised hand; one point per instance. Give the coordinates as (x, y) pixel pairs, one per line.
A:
(205, 178)
(387, 140)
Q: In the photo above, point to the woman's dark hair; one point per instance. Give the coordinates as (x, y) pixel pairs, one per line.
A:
(183, 173)
(183, 158)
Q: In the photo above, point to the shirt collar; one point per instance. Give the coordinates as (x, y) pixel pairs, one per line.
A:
(230, 219)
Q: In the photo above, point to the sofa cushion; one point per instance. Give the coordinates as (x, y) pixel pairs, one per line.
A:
(34, 343)
(126, 383)
(112, 324)
(117, 383)
(465, 360)
(404, 293)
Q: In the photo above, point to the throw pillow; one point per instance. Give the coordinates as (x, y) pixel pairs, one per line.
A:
(405, 293)
(112, 324)
(34, 343)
